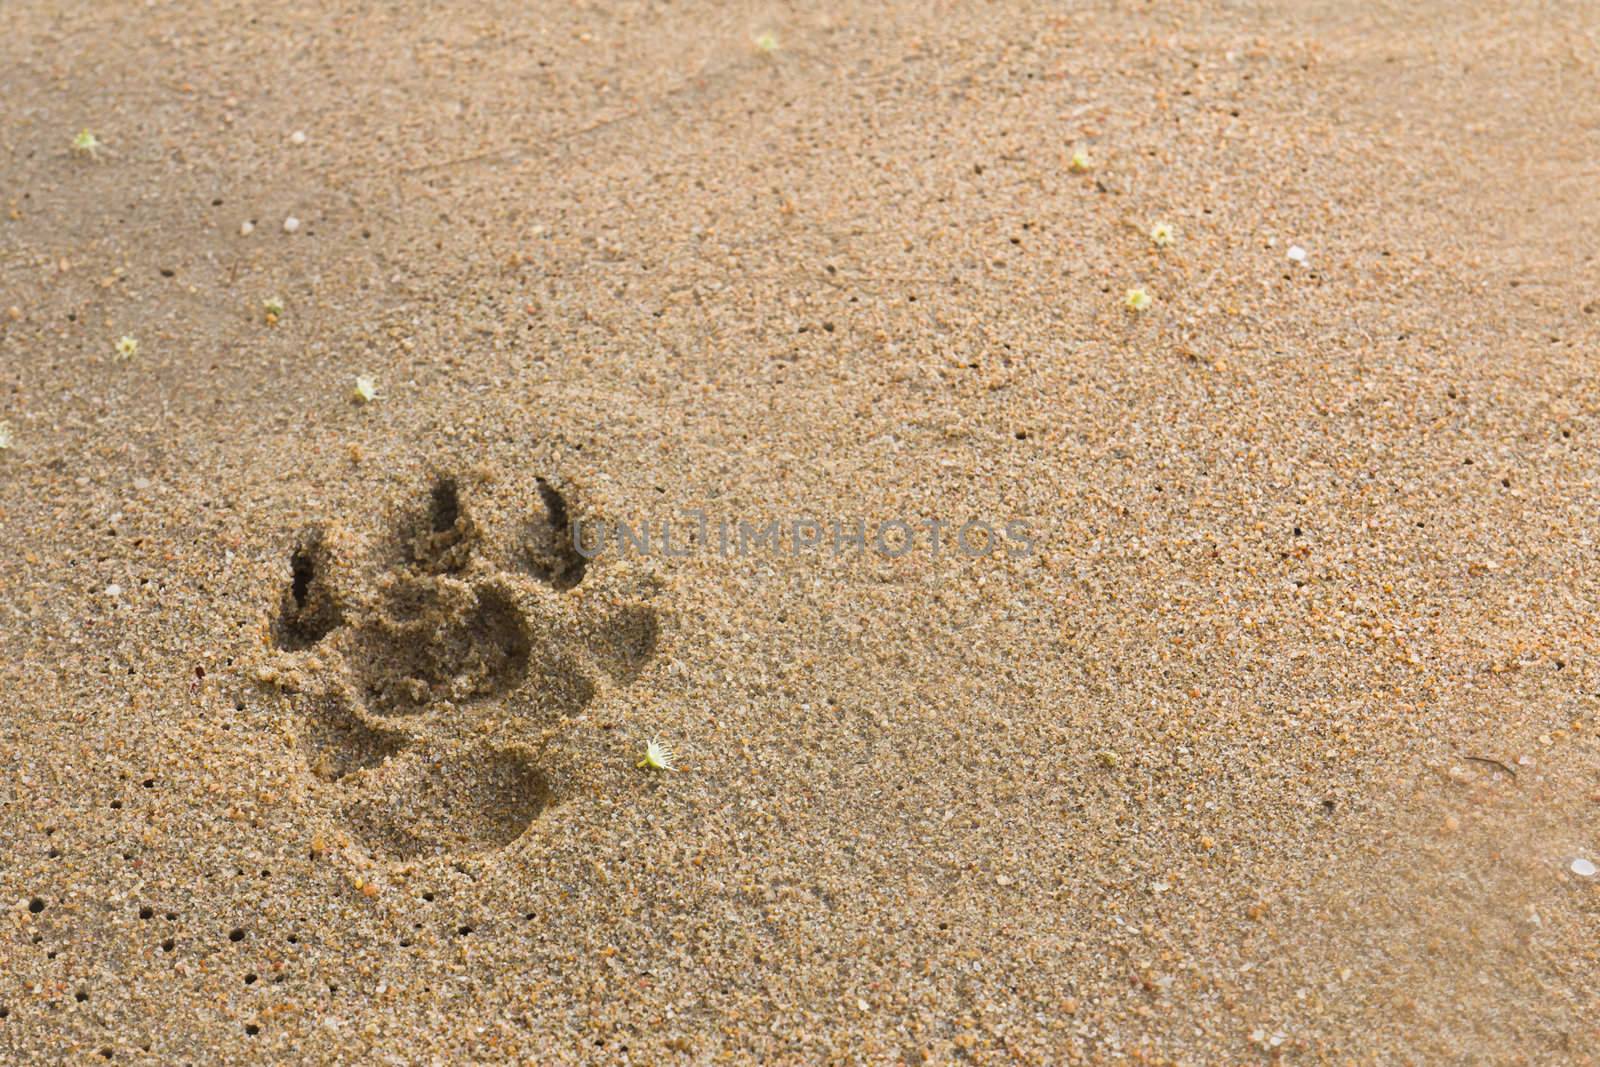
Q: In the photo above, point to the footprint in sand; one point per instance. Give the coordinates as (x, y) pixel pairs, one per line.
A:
(430, 670)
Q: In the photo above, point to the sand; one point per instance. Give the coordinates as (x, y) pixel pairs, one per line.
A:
(1270, 737)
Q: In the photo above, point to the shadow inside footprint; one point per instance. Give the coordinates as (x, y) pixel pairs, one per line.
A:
(441, 640)
(336, 742)
(308, 612)
(445, 535)
(455, 800)
(550, 555)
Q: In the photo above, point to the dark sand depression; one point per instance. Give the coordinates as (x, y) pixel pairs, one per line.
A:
(322, 738)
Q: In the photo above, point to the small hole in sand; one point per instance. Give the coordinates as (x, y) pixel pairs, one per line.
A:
(302, 571)
(236, 934)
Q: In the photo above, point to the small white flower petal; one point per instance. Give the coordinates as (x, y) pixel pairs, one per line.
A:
(658, 756)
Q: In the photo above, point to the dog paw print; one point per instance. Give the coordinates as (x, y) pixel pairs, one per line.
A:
(430, 666)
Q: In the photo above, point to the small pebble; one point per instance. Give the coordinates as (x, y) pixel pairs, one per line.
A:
(291, 224)
(246, 228)
(297, 137)
(1583, 868)
(1297, 253)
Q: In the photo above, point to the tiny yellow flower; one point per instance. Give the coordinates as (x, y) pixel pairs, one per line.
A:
(1136, 300)
(273, 307)
(1080, 161)
(366, 390)
(767, 42)
(127, 347)
(658, 756)
(5, 436)
(86, 144)
(1161, 234)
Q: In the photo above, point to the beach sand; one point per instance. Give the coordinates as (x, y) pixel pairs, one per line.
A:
(1266, 732)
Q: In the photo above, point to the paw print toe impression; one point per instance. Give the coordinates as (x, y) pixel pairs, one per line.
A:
(429, 680)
